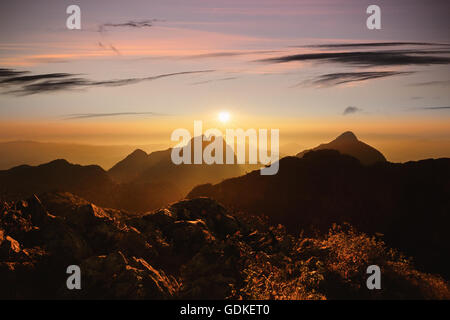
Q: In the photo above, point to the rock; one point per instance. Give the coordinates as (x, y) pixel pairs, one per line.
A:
(161, 218)
(196, 208)
(189, 236)
(114, 276)
(8, 246)
(208, 210)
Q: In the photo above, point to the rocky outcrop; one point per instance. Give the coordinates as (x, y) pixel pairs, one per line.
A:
(120, 257)
(193, 249)
(40, 239)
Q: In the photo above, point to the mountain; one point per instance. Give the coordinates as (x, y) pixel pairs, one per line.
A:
(192, 249)
(16, 153)
(90, 182)
(157, 167)
(348, 143)
(139, 183)
(129, 168)
(409, 203)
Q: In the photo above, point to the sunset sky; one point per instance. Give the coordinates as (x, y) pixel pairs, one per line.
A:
(137, 70)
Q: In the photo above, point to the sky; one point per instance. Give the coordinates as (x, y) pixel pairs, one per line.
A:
(137, 70)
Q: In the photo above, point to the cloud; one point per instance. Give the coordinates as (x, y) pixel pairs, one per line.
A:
(349, 55)
(25, 79)
(334, 79)
(372, 44)
(350, 110)
(101, 115)
(10, 73)
(130, 24)
(214, 80)
(432, 83)
(227, 54)
(41, 83)
(370, 58)
(109, 47)
(434, 108)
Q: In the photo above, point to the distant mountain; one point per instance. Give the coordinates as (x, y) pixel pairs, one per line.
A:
(138, 183)
(409, 203)
(90, 182)
(58, 175)
(348, 143)
(16, 153)
(129, 168)
(157, 167)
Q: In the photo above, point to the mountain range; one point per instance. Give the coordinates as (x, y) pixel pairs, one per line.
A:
(303, 227)
(14, 153)
(138, 183)
(408, 203)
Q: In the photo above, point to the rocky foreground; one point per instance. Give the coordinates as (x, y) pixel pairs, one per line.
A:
(194, 249)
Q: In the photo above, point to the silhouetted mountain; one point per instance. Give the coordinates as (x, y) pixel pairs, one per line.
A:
(157, 167)
(130, 167)
(138, 183)
(193, 249)
(348, 143)
(15, 153)
(409, 203)
(89, 182)
(59, 175)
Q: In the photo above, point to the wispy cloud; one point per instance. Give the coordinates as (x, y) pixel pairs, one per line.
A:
(25, 79)
(442, 83)
(415, 54)
(102, 115)
(45, 83)
(334, 79)
(214, 80)
(434, 108)
(371, 44)
(10, 72)
(129, 24)
(369, 58)
(109, 47)
(221, 54)
(350, 110)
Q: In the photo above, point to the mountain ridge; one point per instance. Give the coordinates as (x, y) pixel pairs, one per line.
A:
(348, 143)
(326, 187)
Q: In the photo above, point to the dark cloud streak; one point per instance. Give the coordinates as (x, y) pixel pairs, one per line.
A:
(369, 58)
(350, 110)
(101, 115)
(434, 108)
(334, 79)
(213, 80)
(372, 44)
(4, 73)
(24, 79)
(42, 83)
(432, 83)
(130, 24)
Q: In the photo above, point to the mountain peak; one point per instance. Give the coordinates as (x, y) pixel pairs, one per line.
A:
(348, 143)
(347, 136)
(138, 153)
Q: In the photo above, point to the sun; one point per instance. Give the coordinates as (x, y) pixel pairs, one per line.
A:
(224, 116)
